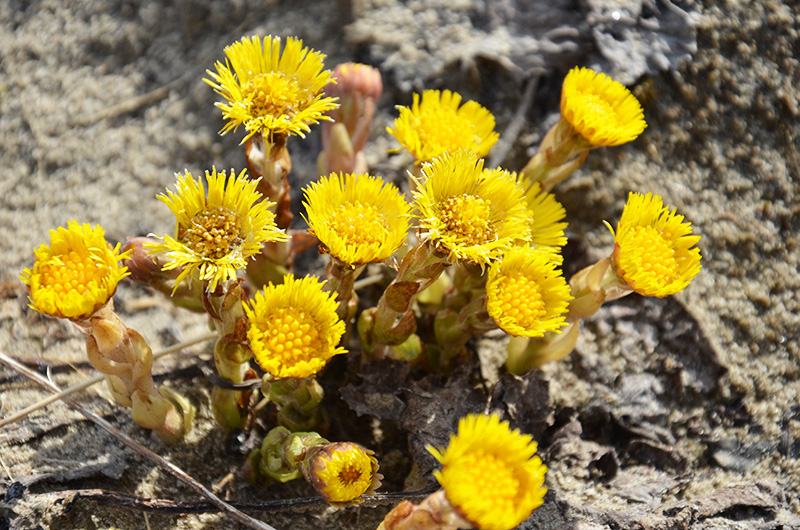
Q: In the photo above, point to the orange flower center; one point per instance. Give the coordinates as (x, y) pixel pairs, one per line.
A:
(291, 336)
(272, 94)
(446, 129)
(350, 474)
(213, 233)
(521, 299)
(358, 224)
(655, 254)
(72, 272)
(468, 218)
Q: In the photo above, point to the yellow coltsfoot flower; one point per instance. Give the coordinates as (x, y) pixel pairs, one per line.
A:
(596, 111)
(75, 278)
(269, 91)
(546, 214)
(76, 275)
(357, 218)
(294, 330)
(490, 474)
(600, 109)
(216, 233)
(471, 214)
(653, 247)
(342, 472)
(437, 125)
(526, 294)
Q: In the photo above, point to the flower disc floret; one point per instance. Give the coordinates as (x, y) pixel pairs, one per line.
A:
(357, 218)
(270, 92)
(216, 234)
(76, 275)
(343, 472)
(490, 474)
(526, 294)
(653, 247)
(600, 109)
(437, 125)
(294, 330)
(471, 214)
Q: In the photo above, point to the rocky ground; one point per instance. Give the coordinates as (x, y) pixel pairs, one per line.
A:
(673, 413)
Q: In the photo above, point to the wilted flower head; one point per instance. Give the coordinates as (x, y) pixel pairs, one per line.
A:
(357, 218)
(294, 330)
(269, 91)
(343, 472)
(526, 294)
(653, 247)
(600, 109)
(472, 214)
(490, 474)
(76, 275)
(437, 125)
(217, 233)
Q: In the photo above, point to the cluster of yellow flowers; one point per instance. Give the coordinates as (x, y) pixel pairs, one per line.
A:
(485, 254)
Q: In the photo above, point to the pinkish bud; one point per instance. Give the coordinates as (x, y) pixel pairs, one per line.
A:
(356, 78)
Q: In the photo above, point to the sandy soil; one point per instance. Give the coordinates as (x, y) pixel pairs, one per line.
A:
(673, 413)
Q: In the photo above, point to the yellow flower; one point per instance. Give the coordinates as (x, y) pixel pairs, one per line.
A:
(216, 234)
(357, 218)
(490, 474)
(653, 247)
(526, 294)
(438, 125)
(343, 472)
(76, 275)
(600, 109)
(546, 213)
(294, 329)
(472, 214)
(269, 91)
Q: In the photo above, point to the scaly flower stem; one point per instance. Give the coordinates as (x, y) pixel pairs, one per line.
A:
(453, 330)
(298, 401)
(393, 321)
(126, 359)
(268, 158)
(525, 353)
(341, 278)
(282, 453)
(433, 513)
(561, 152)
(593, 286)
(231, 408)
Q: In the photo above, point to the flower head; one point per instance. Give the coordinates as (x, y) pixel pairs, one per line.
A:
(76, 275)
(437, 125)
(269, 91)
(490, 474)
(472, 214)
(215, 234)
(546, 214)
(294, 329)
(526, 294)
(600, 109)
(653, 247)
(357, 218)
(343, 472)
